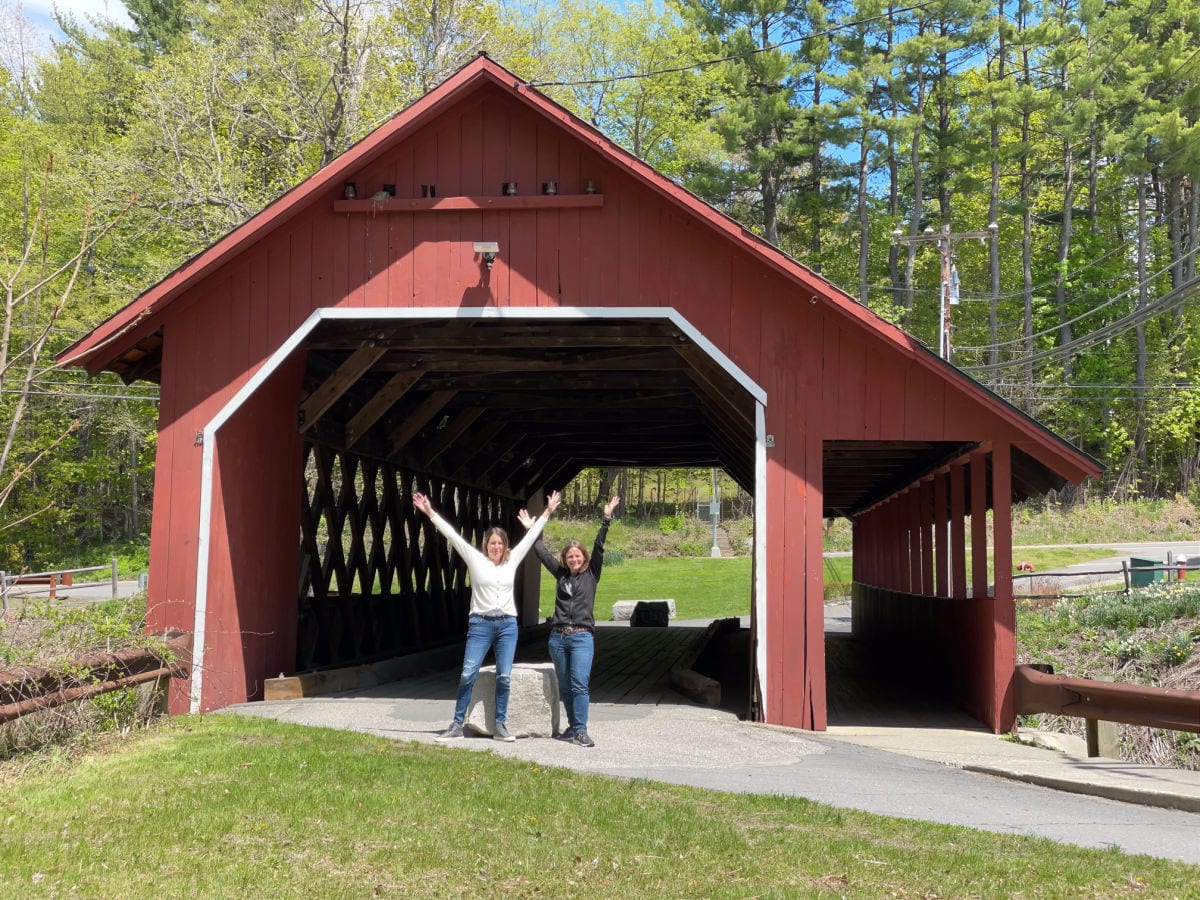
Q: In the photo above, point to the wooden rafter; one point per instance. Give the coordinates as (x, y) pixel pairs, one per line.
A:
(382, 400)
(347, 374)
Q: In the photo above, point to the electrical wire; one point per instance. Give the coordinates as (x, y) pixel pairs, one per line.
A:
(1169, 301)
(703, 64)
(1048, 331)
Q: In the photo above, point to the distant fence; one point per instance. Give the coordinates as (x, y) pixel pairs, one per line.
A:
(27, 584)
(1130, 575)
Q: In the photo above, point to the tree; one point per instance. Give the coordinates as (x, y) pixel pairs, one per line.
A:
(627, 72)
(38, 276)
(757, 117)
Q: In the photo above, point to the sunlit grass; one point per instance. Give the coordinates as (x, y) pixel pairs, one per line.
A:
(720, 588)
(223, 806)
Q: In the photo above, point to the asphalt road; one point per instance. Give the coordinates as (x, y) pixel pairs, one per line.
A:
(708, 748)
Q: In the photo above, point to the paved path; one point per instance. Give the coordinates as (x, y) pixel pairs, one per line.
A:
(944, 768)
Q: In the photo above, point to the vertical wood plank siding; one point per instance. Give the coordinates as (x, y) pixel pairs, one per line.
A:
(827, 376)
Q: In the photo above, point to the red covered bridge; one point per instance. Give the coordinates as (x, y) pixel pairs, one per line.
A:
(361, 338)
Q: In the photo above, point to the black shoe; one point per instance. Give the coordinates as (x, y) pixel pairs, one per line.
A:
(567, 735)
(582, 739)
(454, 732)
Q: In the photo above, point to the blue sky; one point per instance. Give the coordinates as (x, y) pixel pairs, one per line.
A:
(40, 13)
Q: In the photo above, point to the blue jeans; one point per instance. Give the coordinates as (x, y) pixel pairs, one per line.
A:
(572, 655)
(500, 636)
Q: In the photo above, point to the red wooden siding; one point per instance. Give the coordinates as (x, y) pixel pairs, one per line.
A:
(831, 371)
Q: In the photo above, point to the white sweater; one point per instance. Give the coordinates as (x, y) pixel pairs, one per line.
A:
(491, 584)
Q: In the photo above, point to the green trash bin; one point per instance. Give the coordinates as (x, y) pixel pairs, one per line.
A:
(1142, 574)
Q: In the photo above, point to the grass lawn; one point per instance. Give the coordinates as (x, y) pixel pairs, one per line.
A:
(701, 588)
(222, 806)
(719, 588)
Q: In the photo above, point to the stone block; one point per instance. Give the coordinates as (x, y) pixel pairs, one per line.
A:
(650, 614)
(533, 703)
(622, 610)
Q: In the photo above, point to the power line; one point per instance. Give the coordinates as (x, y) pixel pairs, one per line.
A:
(1084, 315)
(1169, 301)
(703, 64)
(76, 396)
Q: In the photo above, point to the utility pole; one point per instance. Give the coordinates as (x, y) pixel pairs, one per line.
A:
(948, 296)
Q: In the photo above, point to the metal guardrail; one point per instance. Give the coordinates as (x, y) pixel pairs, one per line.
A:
(53, 581)
(1040, 691)
(30, 689)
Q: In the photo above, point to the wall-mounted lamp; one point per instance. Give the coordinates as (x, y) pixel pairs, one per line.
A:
(550, 188)
(509, 188)
(590, 188)
(488, 250)
(349, 191)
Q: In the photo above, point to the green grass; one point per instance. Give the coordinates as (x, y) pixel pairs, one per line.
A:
(701, 588)
(720, 588)
(222, 806)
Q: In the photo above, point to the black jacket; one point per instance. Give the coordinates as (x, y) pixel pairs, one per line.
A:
(575, 595)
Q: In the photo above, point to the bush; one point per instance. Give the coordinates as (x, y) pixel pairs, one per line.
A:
(671, 524)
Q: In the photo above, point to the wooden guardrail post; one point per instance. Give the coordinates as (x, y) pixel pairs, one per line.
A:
(1103, 738)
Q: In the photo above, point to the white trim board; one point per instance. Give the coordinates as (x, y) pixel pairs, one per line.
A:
(382, 314)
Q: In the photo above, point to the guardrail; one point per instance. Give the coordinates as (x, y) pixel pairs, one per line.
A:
(27, 690)
(1039, 690)
(53, 581)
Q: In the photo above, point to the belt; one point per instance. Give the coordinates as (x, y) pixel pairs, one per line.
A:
(571, 629)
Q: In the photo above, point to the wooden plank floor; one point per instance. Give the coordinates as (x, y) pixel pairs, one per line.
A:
(632, 665)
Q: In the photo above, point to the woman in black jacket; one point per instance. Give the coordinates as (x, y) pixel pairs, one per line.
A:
(576, 574)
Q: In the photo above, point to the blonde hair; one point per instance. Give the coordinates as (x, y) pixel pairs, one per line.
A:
(487, 536)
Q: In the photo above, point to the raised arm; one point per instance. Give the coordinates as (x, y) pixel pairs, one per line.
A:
(553, 566)
(534, 526)
(597, 560)
(448, 531)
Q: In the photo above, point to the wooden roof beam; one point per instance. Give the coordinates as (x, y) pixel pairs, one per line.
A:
(318, 402)
(418, 419)
(460, 422)
(383, 400)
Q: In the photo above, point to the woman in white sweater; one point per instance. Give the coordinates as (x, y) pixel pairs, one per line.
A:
(492, 624)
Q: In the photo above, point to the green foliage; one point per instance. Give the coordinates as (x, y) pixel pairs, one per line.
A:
(1176, 649)
(671, 524)
(1151, 607)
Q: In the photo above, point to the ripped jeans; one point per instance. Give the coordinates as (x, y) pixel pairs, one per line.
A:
(483, 634)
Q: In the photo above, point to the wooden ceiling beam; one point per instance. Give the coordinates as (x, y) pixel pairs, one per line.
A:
(418, 419)
(332, 388)
(446, 436)
(606, 360)
(382, 400)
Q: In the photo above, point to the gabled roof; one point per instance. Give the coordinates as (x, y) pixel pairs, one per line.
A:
(120, 334)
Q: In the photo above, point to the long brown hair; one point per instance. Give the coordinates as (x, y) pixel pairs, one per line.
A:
(562, 554)
(487, 536)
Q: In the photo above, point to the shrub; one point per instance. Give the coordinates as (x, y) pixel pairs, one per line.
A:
(671, 524)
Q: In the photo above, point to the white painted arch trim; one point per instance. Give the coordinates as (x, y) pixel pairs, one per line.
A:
(516, 313)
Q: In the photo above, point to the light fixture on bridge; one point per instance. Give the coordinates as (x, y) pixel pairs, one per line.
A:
(488, 250)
